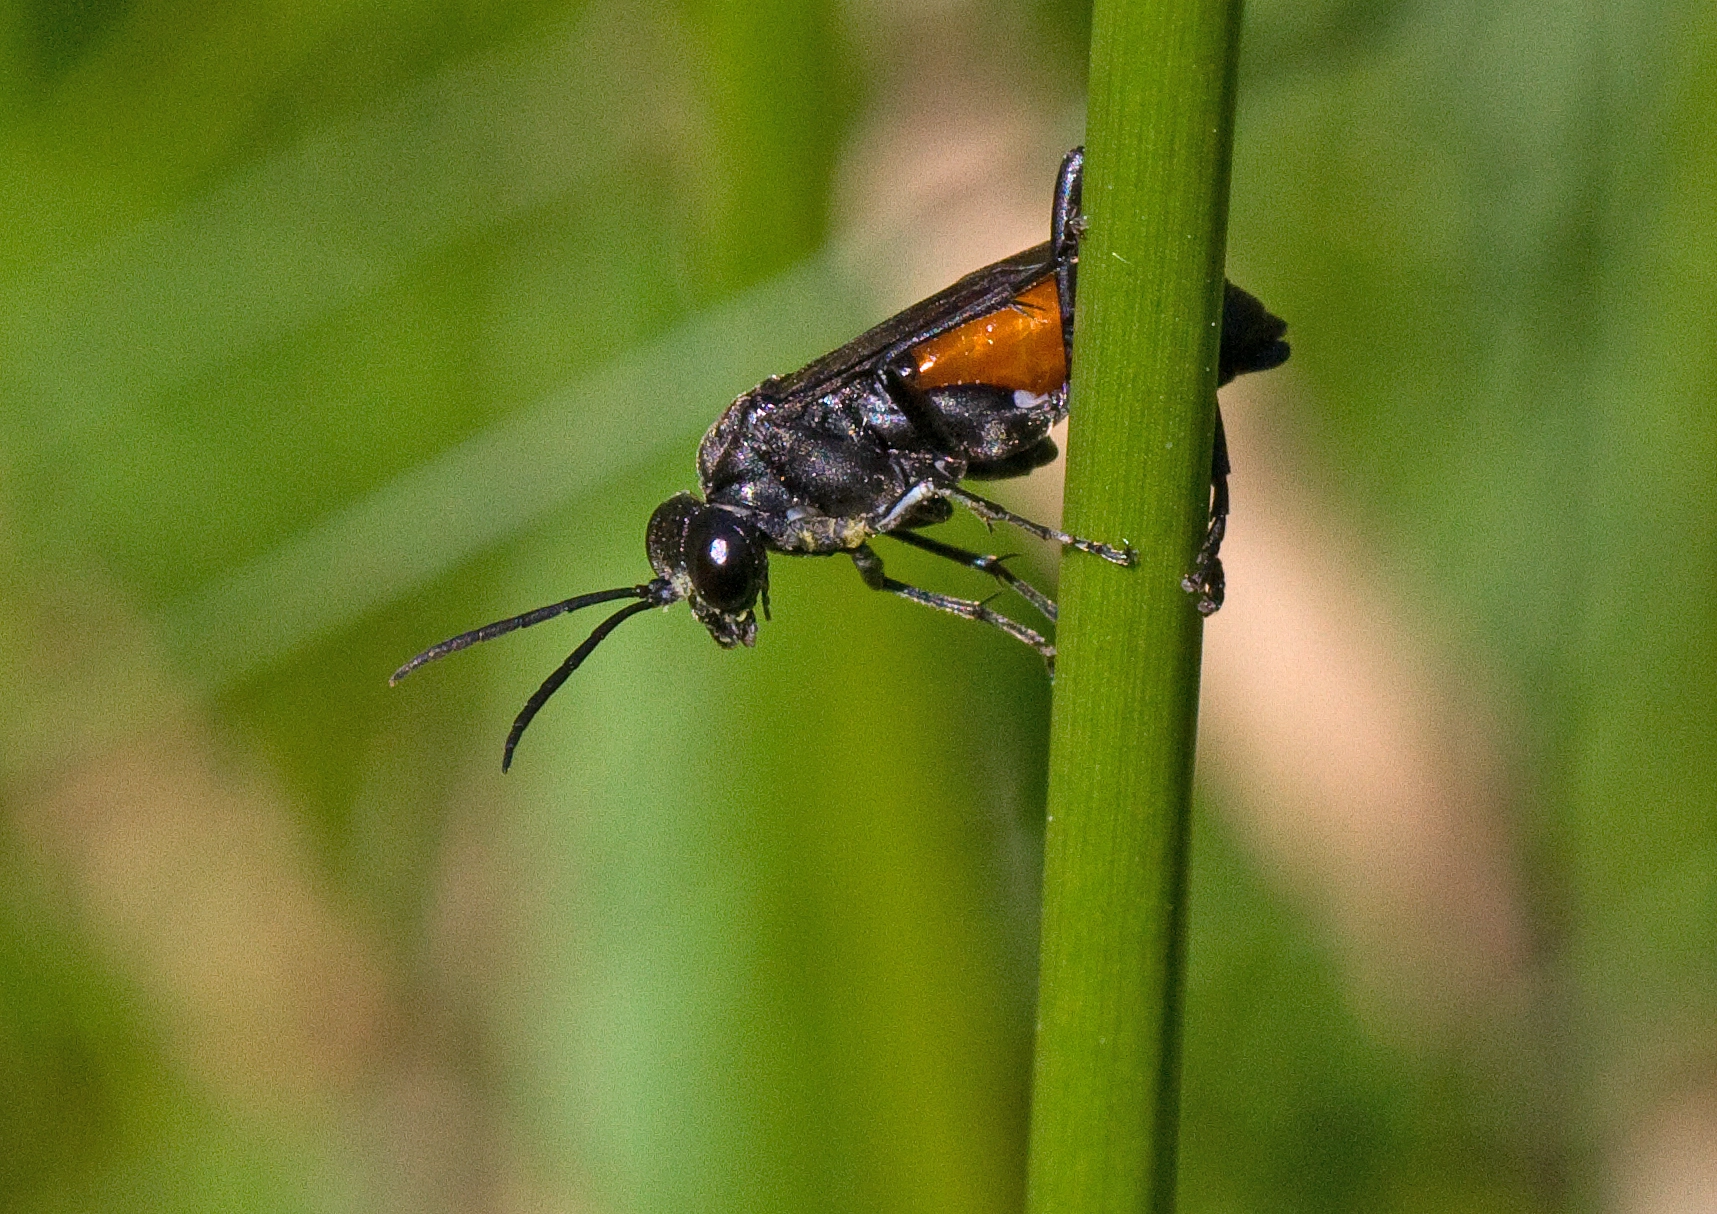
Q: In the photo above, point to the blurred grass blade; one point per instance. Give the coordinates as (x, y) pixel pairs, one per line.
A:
(1105, 1096)
(313, 229)
(497, 483)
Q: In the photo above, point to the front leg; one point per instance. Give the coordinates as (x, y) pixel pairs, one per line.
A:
(995, 566)
(869, 566)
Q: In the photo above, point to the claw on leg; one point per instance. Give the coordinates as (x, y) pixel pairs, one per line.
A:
(1206, 582)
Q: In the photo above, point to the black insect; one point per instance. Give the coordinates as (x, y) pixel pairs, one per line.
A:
(876, 438)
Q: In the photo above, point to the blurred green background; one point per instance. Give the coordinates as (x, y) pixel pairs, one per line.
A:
(328, 331)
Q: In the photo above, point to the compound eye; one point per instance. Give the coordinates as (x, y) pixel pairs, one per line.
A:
(723, 561)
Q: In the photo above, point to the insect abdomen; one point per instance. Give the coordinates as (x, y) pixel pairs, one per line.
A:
(1018, 346)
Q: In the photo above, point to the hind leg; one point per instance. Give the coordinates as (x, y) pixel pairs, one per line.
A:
(1206, 581)
(1066, 225)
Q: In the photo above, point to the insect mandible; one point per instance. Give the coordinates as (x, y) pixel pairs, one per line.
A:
(875, 439)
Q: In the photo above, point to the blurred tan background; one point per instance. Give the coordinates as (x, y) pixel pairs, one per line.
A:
(327, 333)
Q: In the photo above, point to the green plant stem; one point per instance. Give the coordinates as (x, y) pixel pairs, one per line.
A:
(1106, 1086)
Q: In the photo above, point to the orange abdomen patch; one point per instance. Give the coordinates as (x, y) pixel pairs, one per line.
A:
(1018, 346)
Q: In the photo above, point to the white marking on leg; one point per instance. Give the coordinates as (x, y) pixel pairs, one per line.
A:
(910, 499)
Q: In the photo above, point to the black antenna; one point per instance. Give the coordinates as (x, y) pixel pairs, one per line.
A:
(650, 590)
(573, 662)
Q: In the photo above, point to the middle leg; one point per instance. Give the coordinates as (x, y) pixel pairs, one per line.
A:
(990, 512)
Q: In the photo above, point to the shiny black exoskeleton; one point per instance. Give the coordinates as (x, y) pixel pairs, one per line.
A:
(876, 438)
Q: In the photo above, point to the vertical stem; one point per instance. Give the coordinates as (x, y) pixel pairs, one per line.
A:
(1106, 1087)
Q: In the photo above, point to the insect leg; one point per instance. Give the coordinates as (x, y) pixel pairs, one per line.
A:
(910, 501)
(991, 565)
(992, 513)
(894, 381)
(1206, 579)
(1066, 223)
(1257, 341)
(869, 566)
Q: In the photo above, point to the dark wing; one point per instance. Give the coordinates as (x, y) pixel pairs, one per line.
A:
(978, 293)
